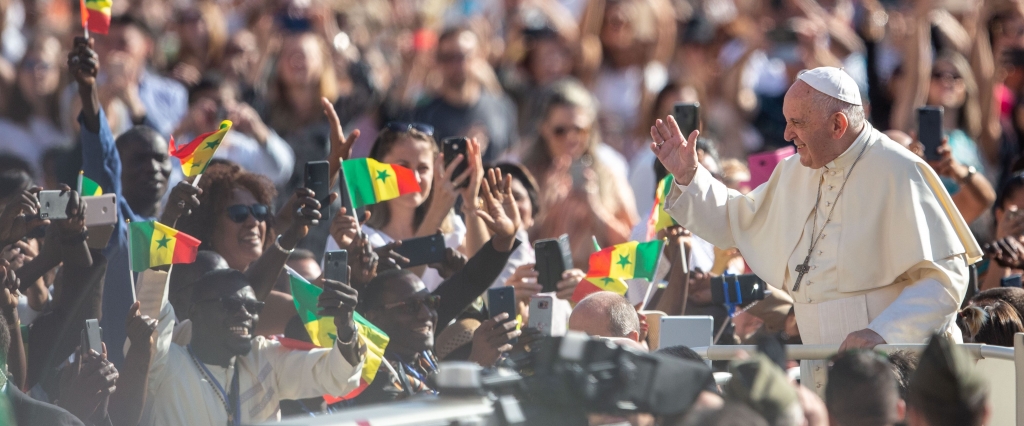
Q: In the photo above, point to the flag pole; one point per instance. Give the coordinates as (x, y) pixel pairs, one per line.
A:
(597, 247)
(195, 182)
(81, 173)
(131, 272)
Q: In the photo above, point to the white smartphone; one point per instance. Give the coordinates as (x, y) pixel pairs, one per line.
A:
(691, 331)
(540, 313)
(100, 218)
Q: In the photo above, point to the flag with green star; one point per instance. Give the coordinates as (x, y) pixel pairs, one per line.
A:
(610, 266)
(370, 181)
(154, 244)
(195, 156)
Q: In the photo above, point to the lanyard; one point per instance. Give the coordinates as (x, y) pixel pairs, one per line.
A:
(232, 399)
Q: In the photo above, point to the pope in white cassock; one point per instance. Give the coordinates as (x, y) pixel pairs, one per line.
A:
(857, 229)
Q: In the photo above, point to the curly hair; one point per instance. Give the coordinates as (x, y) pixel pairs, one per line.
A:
(219, 180)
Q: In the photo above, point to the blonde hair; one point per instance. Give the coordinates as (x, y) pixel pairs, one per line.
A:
(281, 115)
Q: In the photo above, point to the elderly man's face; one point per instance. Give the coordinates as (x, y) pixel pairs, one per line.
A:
(808, 127)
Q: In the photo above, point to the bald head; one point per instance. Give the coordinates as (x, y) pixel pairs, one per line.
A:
(605, 314)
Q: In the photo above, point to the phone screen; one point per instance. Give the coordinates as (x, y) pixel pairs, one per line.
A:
(929, 130)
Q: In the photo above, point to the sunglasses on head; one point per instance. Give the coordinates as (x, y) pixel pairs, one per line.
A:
(413, 307)
(238, 213)
(233, 304)
(402, 127)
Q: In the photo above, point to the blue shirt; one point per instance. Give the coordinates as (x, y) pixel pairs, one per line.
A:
(101, 163)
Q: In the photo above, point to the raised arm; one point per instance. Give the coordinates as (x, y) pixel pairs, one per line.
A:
(297, 216)
(127, 402)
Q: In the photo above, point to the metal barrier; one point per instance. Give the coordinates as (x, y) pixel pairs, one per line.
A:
(822, 352)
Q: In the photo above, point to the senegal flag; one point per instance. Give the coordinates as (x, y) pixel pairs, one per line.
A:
(660, 218)
(370, 181)
(196, 155)
(596, 284)
(96, 15)
(155, 244)
(88, 187)
(322, 331)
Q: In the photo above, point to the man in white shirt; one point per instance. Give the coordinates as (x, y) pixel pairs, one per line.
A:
(856, 228)
(226, 376)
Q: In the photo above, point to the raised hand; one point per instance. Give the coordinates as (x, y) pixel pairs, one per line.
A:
(341, 147)
(500, 213)
(339, 301)
(83, 62)
(86, 384)
(140, 328)
(445, 189)
(389, 258)
(20, 216)
(475, 168)
(567, 285)
(345, 228)
(677, 154)
(363, 261)
(299, 214)
(524, 280)
(1008, 252)
(492, 338)
(183, 199)
(453, 262)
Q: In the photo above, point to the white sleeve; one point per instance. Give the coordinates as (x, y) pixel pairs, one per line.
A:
(928, 305)
(302, 374)
(703, 207)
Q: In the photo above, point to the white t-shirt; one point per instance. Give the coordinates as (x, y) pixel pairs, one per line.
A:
(430, 277)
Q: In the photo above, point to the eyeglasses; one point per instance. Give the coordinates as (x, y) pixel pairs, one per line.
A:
(940, 75)
(233, 304)
(402, 127)
(238, 213)
(413, 307)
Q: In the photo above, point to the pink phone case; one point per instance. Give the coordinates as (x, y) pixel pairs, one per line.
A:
(762, 165)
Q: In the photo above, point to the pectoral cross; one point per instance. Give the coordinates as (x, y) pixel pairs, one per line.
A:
(801, 270)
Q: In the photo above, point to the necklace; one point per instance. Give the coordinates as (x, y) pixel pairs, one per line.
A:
(804, 268)
(234, 416)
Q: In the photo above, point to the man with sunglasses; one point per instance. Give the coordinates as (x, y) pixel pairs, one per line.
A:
(227, 374)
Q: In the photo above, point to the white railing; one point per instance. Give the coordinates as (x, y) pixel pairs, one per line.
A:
(821, 352)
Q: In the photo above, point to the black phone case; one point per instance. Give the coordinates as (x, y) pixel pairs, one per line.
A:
(335, 266)
(318, 179)
(553, 258)
(422, 250)
(687, 115)
(929, 130)
(502, 299)
(750, 288)
(452, 148)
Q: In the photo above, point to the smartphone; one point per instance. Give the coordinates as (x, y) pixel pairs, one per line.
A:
(452, 148)
(318, 179)
(100, 218)
(502, 299)
(336, 266)
(91, 336)
(576, 170)
(929, 130)
(553, 258)
(737, 289)
(1010, 281)
(541, 314)
(53, 205)
(687, 114)
(422, 250)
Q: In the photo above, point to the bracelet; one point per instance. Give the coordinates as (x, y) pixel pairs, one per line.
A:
(277, 244)
(971, 171)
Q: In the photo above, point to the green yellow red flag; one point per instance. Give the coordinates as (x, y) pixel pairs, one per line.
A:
(370, 181)
(195, 156)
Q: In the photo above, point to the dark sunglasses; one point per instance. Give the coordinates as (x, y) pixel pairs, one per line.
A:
(402, 127)
(238, 213)
(413, 307)
(233, 304)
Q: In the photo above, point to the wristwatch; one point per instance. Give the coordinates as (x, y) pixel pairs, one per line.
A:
(970, 173)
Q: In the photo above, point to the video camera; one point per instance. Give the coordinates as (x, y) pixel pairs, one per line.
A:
(567, 378)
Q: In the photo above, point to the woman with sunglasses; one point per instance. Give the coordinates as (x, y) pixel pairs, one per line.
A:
(582, 192)
(429, 211)
(234, 219)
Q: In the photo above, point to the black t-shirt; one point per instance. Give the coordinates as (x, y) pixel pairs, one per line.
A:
(494, 114)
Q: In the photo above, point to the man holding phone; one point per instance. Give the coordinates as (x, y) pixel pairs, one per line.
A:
(859, 230)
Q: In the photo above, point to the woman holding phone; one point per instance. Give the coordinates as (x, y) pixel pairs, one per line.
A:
(429, 211)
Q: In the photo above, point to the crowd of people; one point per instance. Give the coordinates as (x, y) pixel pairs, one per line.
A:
(566, 106)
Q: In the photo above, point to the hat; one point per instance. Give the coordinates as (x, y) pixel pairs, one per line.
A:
(454, 336)
(763, 386)
(946, 383)
(834, 82)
